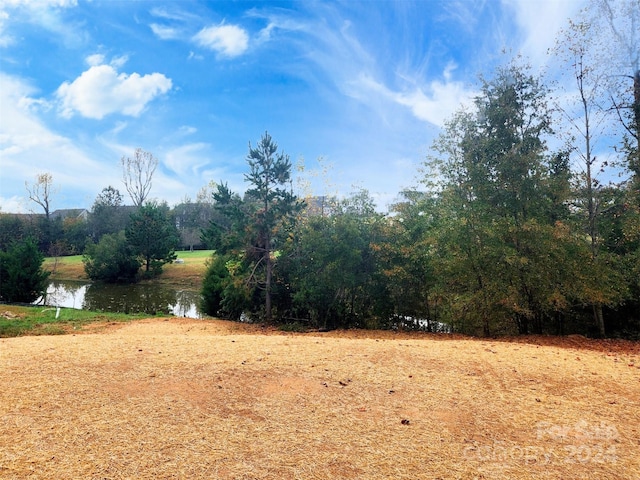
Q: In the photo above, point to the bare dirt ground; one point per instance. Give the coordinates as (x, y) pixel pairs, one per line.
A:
(190, 399)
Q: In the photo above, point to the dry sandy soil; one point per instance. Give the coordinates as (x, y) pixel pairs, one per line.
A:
(189, 399)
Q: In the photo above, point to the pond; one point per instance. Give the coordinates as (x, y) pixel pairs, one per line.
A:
(134, 298)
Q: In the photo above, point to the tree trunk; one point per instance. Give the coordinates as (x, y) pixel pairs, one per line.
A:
(267, 286)
(636, 104)
(634, 164)
(599, 318)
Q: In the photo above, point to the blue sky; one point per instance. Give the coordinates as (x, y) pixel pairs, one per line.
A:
(364, 85)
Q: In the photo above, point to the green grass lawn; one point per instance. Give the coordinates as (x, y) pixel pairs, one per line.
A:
(70, 260)
(195, 254)
(16, 321)
(184, 254)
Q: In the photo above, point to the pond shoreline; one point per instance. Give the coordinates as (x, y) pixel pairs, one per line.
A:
(150, 299)
(188, 274)
(176, 291)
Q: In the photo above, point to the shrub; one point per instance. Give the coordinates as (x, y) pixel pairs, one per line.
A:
(224, 288)
(213, 285)
(296, 327)
(112, 260)
(22, 278)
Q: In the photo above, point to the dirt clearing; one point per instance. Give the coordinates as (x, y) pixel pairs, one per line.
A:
(188, 399)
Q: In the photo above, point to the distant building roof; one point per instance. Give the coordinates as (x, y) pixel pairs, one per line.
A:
(82, 213)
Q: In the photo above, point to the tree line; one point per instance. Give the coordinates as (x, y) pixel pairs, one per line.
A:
(517, 226)
(516, 229)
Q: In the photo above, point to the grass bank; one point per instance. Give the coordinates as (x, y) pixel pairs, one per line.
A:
(188, 273)
(16, 321)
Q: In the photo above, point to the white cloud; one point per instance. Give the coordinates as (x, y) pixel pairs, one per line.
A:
(187, 130)
(170, 15)
(95, 59)
(39, 3)
(433, 103)
(163, 32)
(101, 91)
(540, 22)
(436, 106)
(18, 130)
(464, 13)
(265, 33)
(361, 74)
(13, 205)
(44, 13)
(5, 40)
(27, 147)
(227, 40)
(187, 159)
(118, 62)
(448, 70)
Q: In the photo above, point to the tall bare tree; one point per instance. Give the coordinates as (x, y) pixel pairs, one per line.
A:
(137, 173)
(583, 111)
(621, 20)
(599, 51)
(41, 192)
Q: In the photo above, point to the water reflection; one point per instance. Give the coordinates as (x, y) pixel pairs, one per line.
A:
(136, 298)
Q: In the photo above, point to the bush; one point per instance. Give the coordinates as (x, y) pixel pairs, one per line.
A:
(21, 276)
(213, 285)
(224, 288)
(153, 236)
(112, 260)
(296, 327)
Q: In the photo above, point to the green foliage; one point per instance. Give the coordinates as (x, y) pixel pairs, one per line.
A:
(506, 260)
(75, 236)
(272, 208)
(153, 236)
(213, 285)
(12, 228)
(224, 289)
(22, 278)
(507, 238)
(190, 219)
(296, 327)
(150, 240)
(226, 232)
(252, 230)
(331, 268)
(406, 259)
(112, 260)
(107, 214)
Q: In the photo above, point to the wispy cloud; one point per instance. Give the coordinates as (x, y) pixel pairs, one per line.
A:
(464, 13)
(174, 23)
(172, 14)
(227, 40)
(101, 91)
(540, 22)
(45, 13)
(187, 159)
(165, 33)
(357, 72)
(5, 39)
